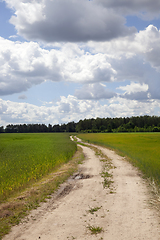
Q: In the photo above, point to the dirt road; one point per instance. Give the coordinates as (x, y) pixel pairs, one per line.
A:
(83, 206)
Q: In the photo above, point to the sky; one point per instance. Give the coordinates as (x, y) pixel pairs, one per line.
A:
(66, 60)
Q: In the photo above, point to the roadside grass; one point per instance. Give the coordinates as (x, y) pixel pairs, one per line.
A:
(141, 149)
(16, 208)
(26, 158)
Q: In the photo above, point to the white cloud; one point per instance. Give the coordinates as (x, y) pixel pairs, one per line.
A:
(95, 91)
(112, 55)
(151, 40)
(13, 36)
(135, 59)
(71, 109)
(23, 65)
(88, 68)
(72, 20)
(134, 87)
(32, 11)
(135, 91)
(144, 44)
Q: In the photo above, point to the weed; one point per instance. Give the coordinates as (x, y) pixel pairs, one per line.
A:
(106, 175)
(71, 237)
(95, 230)
(107, 183)
(93, 210)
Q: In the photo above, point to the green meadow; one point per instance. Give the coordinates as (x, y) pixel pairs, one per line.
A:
(27, 157)
(142, 149)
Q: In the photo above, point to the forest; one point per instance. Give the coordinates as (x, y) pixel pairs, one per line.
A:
(107, 125)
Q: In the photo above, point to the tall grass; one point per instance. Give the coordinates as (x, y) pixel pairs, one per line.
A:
(143, 149)
(25, 158)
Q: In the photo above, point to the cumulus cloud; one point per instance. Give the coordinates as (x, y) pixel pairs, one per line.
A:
(140, 96)
(134, 87)
(88, 68)
(95, 91)
(23, 65)
(144, 45)
(71, 21)
(136, 59)
(143, 8)
(135, 91)
(151, 38)
(71, 109)
(154, 88)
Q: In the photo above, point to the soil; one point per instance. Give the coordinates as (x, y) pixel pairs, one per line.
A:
(82, 204)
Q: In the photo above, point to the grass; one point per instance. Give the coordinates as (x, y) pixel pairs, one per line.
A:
(107, 165)
(15, 209)
(142, 149)
(106, 176)
(95, 229)
(26, 158)
(93, 210)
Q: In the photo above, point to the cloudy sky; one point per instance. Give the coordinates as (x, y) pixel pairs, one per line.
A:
(66, 60)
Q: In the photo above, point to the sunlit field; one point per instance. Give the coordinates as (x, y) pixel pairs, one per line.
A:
(143, 149)
(25, 158)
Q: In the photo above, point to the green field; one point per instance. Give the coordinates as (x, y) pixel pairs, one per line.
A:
(143, 149)
(25, 158)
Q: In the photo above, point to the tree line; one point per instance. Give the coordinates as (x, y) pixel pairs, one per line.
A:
(38, 128)
(129, 124)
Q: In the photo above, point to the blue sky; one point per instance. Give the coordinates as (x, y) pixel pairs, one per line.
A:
(6, 29)
(59, 64)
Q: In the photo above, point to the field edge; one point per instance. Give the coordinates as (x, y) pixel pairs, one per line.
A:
(15, 209)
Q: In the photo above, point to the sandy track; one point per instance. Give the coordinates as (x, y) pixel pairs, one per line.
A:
(124, 214)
